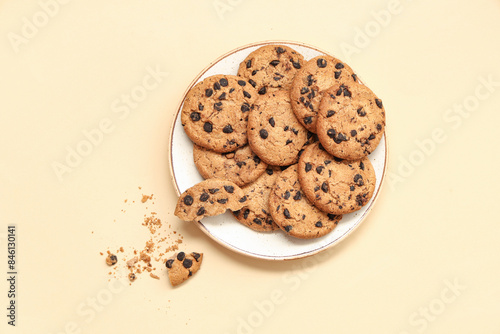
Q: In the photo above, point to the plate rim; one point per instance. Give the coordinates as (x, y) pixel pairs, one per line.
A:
(201, 225)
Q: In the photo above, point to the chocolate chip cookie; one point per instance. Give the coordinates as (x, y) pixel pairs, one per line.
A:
(209, 198)
(274, 133)
(271, 67)
(334, 185)
(317, 75)
(215, 112)
(241, 166)
(255, 214)
(182, 266)
(293, 212)
(351, 121)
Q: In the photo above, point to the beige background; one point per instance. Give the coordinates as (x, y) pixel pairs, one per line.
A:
(433, 225)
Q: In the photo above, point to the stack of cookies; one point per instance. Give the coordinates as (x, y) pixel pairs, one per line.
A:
(283, 144)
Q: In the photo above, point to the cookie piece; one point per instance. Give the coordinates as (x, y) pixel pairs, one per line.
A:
(209, 198)
(271, 67)
(334, 185)
(111, 259)
(351, 121)
(255, 214)
(241, 166)
(182, 266)
(293, 212)
(316, 76)
(215, 112)
(274, 133)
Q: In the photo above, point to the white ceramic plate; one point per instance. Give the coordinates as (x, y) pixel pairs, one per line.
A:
(225, 229)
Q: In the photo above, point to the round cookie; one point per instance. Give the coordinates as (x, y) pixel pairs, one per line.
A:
(351, 121)
(316, 76)
(294, 213)
(274, 133)
(334, 185)
(241, 166)
(209, 198)
(255, 214)
(215, 112)
(270, 67)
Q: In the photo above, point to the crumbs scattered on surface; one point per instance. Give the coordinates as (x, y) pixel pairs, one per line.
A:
(163, 240)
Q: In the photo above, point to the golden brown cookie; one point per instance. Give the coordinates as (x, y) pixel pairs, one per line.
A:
(293, 212)
(334, 185)
(274, 133)
(255, 214)
(317, 75)
(182, 266)
(351, 121)
(209, 198)
(271, 67)
(241, 166)
(215, 112)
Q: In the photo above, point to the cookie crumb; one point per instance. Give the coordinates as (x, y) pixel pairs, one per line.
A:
(111, 260)
(154, 276)
(132, 277)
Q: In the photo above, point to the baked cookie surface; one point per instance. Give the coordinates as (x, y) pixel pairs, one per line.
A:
(334, 185)
(317, 75)
(255, 214)
(351, 121)
(209, 198)
(271, 67)
(182, 266)
(274, 133)
(294, 213)
(241, 166)
(215, 112)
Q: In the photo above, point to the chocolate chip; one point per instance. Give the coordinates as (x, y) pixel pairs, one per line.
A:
(339, 66)
(304, 90)
(280, 50)
(296, 64)
(295, 131)
(257, 221)
(223, 82)
(324, 187)
(247, 94)
(347, 92)
(243, 199)
(361, 112)
(256, 159)
(169, 263)
(196, 256)
(318, 224)
(263, 134)
(222, 201)
(208, 92)
(277, 78)
(340, 138)
(309, 80)
(249, 63)
(287, 214)
(181, 256)
(330, 113)
(271, 121)
(216, 86)
(207, 127)
(308, 120)
(287, 195)
(331, 216)
(379, 127)
(286, 128)
(190, 273)
(195, 116)
(201, 211)
(204, 197)
(242, 83)
(188, 200)
(337, 74)
(316, 188)
(213, 190)
(298, 195)
(240, 164)
(339, 91)
(253, 83)
(360, 200)
(222, 96)
(254, 72)
(288, 228)
(227, 129)
(327, 162)
(263, 90)
(355, 77)
(308, 167)
(269, 171)
(218, 106)
(200, 107)
(229, 189)
(379, 103)
(352, 188)
(274, 63)
(362, 165)
(288, 141)
(187, 263)
(353, 133)
(246, 213)
(245, 107)
(321, 63)
(371, 137)
(358, 179)
(319, 169)
(331, 133)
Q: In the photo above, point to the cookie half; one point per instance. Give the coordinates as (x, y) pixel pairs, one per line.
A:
(316, 76)
(182, 266)
(274, 133)
(271, 67)
(241, 166)
(215, 112)
(255, 214)
(334, 185)
(351, 121)
(294, 213)
(209, 198)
